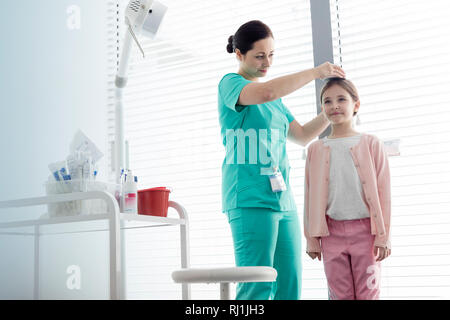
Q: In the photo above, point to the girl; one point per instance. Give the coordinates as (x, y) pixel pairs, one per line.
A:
(256, 195)
(347, 199)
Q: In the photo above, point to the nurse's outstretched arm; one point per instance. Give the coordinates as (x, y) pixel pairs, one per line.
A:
(257, 93)
(303, 135)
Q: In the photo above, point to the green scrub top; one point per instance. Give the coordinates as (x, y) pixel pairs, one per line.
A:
(254, 137)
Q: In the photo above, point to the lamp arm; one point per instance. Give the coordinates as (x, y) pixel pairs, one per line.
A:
(130, 28)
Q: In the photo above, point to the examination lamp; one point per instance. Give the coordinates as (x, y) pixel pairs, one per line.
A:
(141, 17)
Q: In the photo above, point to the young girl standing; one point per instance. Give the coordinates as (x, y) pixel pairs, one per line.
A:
(347, 199)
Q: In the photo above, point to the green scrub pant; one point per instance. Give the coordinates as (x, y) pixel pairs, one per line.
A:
(263, 237)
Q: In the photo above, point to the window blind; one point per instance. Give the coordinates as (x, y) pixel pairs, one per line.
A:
(396, 53)
(171, 123)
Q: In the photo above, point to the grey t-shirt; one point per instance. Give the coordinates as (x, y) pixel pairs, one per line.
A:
(345, 193)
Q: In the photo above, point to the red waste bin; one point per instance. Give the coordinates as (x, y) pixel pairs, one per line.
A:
(153, 201)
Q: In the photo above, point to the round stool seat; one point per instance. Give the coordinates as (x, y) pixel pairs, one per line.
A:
(220, 275)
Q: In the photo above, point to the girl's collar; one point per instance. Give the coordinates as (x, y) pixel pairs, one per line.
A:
(362, 134)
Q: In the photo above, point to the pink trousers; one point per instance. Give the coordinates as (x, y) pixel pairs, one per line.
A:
(350, 267)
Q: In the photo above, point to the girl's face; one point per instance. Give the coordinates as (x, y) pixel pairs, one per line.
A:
(339, 105)
(258, 60)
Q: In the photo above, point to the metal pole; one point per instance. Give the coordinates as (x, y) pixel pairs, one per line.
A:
(224, 291)
(36, 263)
(114, 257)
(123, 286)
(184, 242)
(322, 43)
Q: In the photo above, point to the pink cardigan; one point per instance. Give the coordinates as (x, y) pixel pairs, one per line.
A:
(372, 165)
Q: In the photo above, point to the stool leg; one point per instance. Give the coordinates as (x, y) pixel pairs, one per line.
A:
(224, 291)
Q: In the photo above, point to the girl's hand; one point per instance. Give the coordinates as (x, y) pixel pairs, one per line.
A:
(329, 70)
(314, 255)
(381, 253)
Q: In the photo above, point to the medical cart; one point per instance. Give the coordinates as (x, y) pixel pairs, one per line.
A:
(117, 222)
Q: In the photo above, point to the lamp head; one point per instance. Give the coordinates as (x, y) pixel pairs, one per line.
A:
(145, 16)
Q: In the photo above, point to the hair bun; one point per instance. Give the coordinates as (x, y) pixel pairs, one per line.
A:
(230, 48)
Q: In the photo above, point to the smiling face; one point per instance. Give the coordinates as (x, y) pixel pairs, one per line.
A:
(339, 105)
(256, 62)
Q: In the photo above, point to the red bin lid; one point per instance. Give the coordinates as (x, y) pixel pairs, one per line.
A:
(155, 189)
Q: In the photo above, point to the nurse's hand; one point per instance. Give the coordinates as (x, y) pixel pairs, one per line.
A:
(314, 255)
(329, 70)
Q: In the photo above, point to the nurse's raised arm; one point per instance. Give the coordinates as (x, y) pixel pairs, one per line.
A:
(257, 93)
(254, 62)
(304, 134)
(253, 44)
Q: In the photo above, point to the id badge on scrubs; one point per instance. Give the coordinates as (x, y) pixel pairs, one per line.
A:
(276, 181)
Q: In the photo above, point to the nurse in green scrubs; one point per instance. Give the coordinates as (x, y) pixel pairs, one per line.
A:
(256, 194)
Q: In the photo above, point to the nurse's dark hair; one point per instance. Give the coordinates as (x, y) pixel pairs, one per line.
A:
(345, 84)
(247, 35)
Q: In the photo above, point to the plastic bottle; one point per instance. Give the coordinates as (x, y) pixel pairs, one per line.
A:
(130, 194)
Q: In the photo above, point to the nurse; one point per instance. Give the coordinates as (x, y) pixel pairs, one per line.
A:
(256, 194)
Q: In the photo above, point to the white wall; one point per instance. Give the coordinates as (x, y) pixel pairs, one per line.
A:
(52, 83)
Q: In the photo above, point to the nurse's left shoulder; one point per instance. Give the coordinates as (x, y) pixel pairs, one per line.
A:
(230, 76)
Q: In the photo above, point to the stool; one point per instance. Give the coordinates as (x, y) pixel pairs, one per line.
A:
(224, 276)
